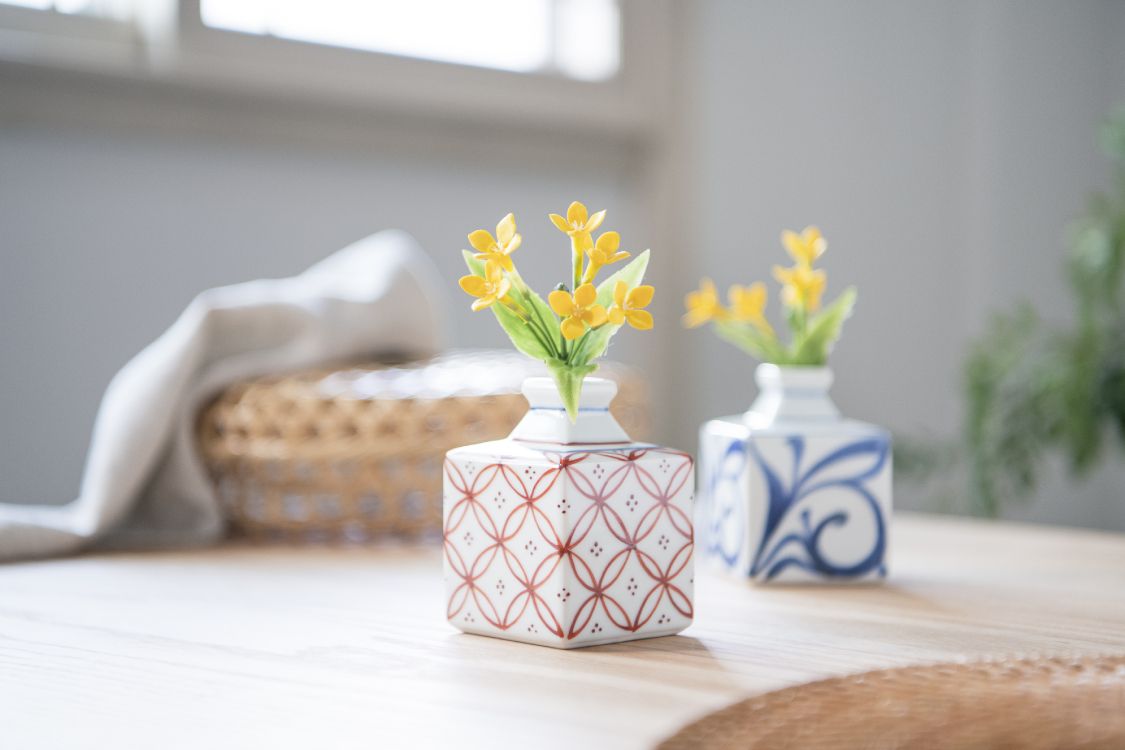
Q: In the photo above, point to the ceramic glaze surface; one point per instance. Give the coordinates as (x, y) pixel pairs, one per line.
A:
(796, 500)
(568, 547)
(546, 422)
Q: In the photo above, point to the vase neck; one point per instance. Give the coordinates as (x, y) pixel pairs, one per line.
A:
(547, 423)
(792, 394)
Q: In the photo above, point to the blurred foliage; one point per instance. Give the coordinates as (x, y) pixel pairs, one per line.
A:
(1032, 391)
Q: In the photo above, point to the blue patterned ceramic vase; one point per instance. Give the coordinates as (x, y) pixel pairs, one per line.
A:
(790, 491)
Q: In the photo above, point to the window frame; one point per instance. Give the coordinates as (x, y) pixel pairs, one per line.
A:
(171, 45)
(63, 40)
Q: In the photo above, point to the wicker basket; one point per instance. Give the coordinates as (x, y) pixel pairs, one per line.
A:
(356, 452)
(1032, 703)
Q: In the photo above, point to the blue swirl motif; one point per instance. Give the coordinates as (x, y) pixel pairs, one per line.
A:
(726, 511)
(797, 549)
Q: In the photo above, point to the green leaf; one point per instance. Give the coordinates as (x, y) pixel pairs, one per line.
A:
(476, 267)
(594, 343)
(761, 346)
(823, 331)
(519, 331)
(568, 379)
(631, 273)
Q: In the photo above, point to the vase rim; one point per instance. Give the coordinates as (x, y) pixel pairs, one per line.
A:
(547, 422)
(791, 368)
(793, 376)
(542, 392)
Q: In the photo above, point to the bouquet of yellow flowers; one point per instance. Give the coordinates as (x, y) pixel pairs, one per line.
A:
(813, 330)
(572, 329)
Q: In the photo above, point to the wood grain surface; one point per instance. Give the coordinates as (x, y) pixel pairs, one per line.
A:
(333, 647)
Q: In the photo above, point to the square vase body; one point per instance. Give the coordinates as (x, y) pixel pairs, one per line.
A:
(796, 505)
(568, 548)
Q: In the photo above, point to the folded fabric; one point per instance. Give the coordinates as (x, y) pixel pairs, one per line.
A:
(144, 483)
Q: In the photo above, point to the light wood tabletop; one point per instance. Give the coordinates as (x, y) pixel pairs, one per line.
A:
(347, 647)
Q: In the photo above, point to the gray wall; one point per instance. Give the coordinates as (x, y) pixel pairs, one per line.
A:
(107, 236)
(941, 146)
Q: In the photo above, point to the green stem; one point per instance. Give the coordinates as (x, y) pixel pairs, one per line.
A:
(515, 306)
(798, 324)
(576, 262)
(547, 330)
(539, 327)
(591, 272)
(519, 309)
(580, 347)
(557, 346)
(546, 342)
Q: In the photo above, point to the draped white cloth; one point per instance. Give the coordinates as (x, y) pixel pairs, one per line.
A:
(144, 483)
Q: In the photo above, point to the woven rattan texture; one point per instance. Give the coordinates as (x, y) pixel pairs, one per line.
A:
(1033, 703)
(356, 452)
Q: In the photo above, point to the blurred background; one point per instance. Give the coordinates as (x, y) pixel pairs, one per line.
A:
(150, 149)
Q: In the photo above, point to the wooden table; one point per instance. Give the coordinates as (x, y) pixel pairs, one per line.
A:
(324, 647)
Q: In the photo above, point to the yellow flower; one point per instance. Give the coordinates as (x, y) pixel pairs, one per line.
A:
(749, 304)
(704, 305)
(803, 286)
(577, 311)
(500, 249)
(805, 247)
(604, 252)
(493, 287)
(627, 304)
(578, 225)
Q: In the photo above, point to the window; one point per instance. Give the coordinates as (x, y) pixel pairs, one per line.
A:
(109, 8)
(575, 38)
(585, 65)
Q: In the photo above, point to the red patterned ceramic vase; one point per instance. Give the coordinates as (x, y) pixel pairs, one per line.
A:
(568, 534)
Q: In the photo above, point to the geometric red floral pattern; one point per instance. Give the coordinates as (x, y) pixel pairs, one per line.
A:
(552, 548)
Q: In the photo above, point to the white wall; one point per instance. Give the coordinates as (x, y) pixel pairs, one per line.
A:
(942, 147)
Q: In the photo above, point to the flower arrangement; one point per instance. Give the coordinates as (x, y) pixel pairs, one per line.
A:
(572, 329)
(743, 323)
